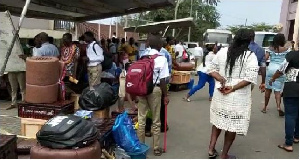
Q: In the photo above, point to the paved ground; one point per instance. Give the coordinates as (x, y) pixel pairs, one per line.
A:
(190, 129)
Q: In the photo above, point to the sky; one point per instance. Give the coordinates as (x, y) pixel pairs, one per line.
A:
(235, 12)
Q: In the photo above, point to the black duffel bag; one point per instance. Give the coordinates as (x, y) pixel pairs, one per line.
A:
(103, 96)
(66, 132)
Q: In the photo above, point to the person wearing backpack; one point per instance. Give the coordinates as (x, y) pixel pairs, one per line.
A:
(95, 58)
(146, 79)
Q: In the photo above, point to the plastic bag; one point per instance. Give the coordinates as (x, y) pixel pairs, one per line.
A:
(121, 154)
(125, 135)
(100, 98)
(84, 114)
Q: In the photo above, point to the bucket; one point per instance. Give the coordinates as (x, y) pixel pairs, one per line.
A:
(140, 155)
(191, 84)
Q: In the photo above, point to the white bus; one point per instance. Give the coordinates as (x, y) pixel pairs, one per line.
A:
(223, 37)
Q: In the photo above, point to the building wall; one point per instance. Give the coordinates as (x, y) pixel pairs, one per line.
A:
(31, 27)
(288, 13)
(104, 31)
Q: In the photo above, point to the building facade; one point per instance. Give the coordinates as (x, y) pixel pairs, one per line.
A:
(289, 18)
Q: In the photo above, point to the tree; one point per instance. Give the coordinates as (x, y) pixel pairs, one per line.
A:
(205, 16)
(255, 27)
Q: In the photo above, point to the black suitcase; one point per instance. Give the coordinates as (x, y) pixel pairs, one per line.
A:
(67, 131)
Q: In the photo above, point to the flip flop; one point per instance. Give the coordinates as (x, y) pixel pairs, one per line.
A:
(214, 155)
(231, 157)
(264, 111)
(158, 152)
(296, 141)
(284, 148)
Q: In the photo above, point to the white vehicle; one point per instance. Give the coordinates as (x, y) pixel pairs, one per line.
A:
(190, 47)
(264, 39)
(223, 37)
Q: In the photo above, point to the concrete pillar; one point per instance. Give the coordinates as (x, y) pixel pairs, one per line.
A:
(296, 29)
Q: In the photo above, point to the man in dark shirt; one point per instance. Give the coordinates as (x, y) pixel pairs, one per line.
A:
(260, 54)
(290, 67)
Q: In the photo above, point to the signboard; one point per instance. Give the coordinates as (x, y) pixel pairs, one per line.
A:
(14, 63)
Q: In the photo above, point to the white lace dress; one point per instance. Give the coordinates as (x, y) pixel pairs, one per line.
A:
(232, 112)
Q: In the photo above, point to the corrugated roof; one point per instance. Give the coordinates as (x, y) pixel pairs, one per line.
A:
(81, 10)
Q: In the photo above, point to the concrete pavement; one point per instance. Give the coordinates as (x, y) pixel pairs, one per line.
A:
(190, 129)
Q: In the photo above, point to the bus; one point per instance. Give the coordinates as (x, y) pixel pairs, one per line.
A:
(223, 37)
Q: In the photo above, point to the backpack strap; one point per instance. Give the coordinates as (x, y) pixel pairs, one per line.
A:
(94, 48)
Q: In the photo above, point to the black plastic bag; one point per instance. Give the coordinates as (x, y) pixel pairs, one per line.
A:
(103, 96)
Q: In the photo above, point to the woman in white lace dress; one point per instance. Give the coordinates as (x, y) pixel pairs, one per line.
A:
(234, 68)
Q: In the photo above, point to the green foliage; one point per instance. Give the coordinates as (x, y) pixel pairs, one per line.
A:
(204, 13)
(255, 27)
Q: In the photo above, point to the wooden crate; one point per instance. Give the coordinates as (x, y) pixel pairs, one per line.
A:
(30, 126)
(101, 113)
(181, 77)
(75, 98)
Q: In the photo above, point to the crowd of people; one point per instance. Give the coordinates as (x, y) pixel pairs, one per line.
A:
(230, 71)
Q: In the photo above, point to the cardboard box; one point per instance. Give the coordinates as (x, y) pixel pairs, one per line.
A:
(30, 126)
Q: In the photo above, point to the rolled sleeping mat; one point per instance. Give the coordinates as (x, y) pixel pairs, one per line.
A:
(42, 71)
(90, 152)
(41, 94)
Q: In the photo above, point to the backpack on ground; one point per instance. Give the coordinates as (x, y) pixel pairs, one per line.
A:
(66, 132)
(139, 77)
(108, 59)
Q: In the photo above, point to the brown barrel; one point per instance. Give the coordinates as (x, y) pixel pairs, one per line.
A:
(42, 71)
(41, 94)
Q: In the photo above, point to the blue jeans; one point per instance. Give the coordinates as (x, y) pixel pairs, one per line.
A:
(291, 108)
(203, 78)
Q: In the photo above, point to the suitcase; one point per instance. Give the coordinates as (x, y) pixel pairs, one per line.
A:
(8, 147)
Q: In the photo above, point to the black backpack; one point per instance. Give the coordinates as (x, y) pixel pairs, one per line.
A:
(108, 59)
(66, 132)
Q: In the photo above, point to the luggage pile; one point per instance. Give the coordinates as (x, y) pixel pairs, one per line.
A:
(67, 137)
(44, 98)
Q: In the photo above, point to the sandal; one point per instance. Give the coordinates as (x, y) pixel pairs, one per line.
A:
(158, 152)
(214, 155)
(281, 113)
(296, 140)
(264, 111)
(284, 148)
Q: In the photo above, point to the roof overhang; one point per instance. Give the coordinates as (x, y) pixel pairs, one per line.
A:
(161, 26)
(81, 10)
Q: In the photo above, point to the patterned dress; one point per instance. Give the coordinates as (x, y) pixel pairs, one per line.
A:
(69, 55)
(232, 112)
(276, 59)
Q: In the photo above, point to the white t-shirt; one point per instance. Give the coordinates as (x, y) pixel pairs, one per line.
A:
(198, 52)
(94, 58)
(179, 48)
(208, 59)
(161, 69)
